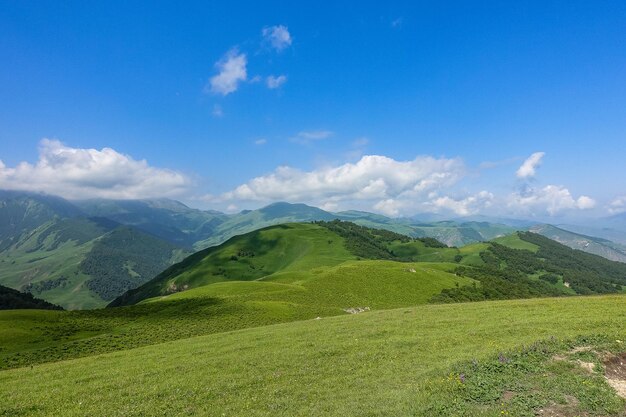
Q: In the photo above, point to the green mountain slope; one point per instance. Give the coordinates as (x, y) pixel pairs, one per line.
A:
(167, 219)
(594, 245)
(49, 250)
(299, 251)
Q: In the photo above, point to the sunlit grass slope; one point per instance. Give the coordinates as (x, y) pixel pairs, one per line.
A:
(282, 248)
(513, 241)
(37, 336)
(379, 363)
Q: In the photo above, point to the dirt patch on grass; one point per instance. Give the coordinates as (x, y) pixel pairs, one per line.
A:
(569, 409)
(508, 396)
(615, 372)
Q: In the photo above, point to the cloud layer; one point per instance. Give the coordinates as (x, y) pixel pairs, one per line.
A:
(87, 173)
(373, 178)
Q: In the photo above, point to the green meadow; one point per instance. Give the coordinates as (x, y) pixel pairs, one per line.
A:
(405, 361)
(331, 319)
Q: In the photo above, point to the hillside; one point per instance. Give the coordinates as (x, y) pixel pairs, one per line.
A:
(50, 249)
(167, 219)
(11, 299)
(594, 245)
(477, 359)
(297, 251)
(547, 269)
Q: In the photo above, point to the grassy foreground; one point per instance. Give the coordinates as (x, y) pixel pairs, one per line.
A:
(379, 363)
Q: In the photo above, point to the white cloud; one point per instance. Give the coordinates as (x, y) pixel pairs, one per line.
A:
(373, 178)
(530, 165)
(306, 137)
(554, 199)
(260, 142)
(231, 72)
(618, 205)
(389, 207)
(87, 173)
(278, 37)
(273, 82)
(462, 207)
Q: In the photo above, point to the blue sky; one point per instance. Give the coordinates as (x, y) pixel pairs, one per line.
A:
(398, 107)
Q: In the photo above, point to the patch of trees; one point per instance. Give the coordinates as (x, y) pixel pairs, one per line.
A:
(369, 243)
(111, 259)
(505, 274)
(11, 299)
(39, 287)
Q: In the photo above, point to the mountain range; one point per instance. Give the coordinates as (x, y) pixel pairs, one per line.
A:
(85, 253)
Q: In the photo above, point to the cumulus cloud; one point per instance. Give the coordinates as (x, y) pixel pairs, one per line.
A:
(373, 178)
(530, 165)
(618, 205)
(87, 173)
(278, 37)
(554, 199)
(273, 82)
(231, 72)
(463, 207)
(260, 142)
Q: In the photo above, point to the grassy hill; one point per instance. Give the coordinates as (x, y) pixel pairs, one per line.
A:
(477, 359)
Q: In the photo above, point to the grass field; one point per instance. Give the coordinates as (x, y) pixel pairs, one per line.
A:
(29, 337)
(513, 241)
(430, 360)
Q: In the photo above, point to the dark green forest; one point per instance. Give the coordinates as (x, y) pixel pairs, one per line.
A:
(11, 299)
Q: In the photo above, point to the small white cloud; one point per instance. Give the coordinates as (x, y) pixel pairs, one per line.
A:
(585, 203)
(90, 173)
(306, 137)
(618, 205)
(217, 111)
(231, 72)
(232, 208)
(554, 199)
(275, 82)
(278, 37)
(530, 165)
(260, 142)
